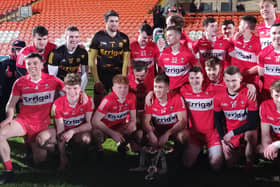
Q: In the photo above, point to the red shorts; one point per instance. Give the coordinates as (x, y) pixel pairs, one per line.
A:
(210, 138)
(31, 128)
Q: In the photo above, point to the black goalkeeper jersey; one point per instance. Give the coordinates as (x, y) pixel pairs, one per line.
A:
(66, 62)
(110, 49)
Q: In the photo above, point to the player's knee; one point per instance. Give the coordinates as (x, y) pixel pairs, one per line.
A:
(250, 136)
(86, 139)
(182, 137)
(216, 162)
(42, 138)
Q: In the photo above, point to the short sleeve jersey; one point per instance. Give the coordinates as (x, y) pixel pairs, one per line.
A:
(235, 108)
(31, 49)
(110, 49)
(245, 54)
(72, 116)
(116, 112)
(164, 117)
(220, 49)
(269, 59)
(264, 33)
(147, 55)
(177, 66)
(200, 107)
(37, 98)
(66, 62)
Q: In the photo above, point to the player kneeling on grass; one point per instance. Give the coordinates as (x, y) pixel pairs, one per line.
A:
(270, 124)
(166, 117)
(37, 91)
(72, 119)
(110, 118)
(241, 118)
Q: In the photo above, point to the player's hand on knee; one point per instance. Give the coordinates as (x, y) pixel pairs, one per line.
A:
(118, 137)
(271, 152)
(152, 139)
(226, 148)
(66, 136)
(228, 136)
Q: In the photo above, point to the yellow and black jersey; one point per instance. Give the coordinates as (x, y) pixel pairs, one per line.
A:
(66, 62)
(110, 49)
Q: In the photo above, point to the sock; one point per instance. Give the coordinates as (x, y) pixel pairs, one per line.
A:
(8, 165)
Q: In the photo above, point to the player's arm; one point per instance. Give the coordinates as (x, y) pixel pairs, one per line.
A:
(84, 70)
(132, 120)
(218, 118)
(10, 110)
(176, 128)
(97, 123)
(149, 129)
(52, 64)
(92, 56)
(266, 135)
(253, 70)
(126, 62)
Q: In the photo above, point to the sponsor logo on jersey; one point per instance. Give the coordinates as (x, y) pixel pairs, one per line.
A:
(74, 121)
(239, 115)
(271, 69)
(116, 116)
(165, 119)
(218, 53)
(176, 70)
(38, 98)
(276, 129)
(265, 42)
(200, 104)
(245, 55)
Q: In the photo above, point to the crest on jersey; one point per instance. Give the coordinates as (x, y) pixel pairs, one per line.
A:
(103, 43)
(221, 44)
(46, 85)
(124, 40)
(36, 88)
(162, 111)
(120, 44)
(171, 107)
(115, 107)
(81, 109)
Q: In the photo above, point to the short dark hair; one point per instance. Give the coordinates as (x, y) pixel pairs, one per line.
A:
(72, 79)
(177, 20)
(231, 70)
(139, 66)
(276, 24)
(110, 13)
(208, 20)
(274, 2)
(212, 62)
(275, 86)
(162, 78)
(145, 27)
(72, 28)
(40, 30)
(174, 28)
(195, 69)
(250, 20)
(34, 55)
(228, 22)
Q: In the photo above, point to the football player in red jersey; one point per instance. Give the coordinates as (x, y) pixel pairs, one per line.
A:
(72, 119)
(40, 45)
(110, 118)
(268, 10)
(270, 124)
(228, 29)
(37, 90)
(241, 117)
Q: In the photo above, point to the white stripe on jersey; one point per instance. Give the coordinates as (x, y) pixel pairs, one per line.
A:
(265, 42)
(272, 69)
(74, 121)
(176, 70)
(165, 119)
(239, 115)
(200, 104)
(116, 116)
(276, 128)
(38, 98)
(218, 53)
(245, 55)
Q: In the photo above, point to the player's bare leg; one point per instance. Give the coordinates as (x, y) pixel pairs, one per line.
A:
(83, 138)
(216, 158)
(190, 155)
(251, 143)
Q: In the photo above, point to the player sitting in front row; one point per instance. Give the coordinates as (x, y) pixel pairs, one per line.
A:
(167, 114)
(72, 119)
(270, 124)
(241, 117)
(110, 118)
(37, 91)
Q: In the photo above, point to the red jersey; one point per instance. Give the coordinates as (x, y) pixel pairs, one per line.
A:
(31, 49)
(185, 39)
(235, 107)
(269, 114)
(37, 98)
(219, 49)
(141, 89)
(264, 33)
(116, 112)
(200, 108)
(72, 116)
(147, 54)
(269, 59)
(177, 66)
(165, 117)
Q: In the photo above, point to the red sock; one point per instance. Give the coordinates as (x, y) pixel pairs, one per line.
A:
(8, 165)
